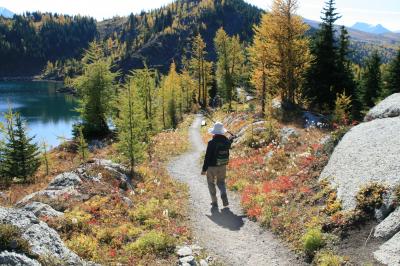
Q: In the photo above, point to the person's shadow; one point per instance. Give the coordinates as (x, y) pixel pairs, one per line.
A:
(226, 218)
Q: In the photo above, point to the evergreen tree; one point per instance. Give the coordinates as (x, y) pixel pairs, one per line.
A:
(20, 155)
(393, 76)
(230, 62)
(260, 65)
(188, 88)
(200, 69)
(372, 80)
(131, 124)
(170, 94)
(321, 78)
(45, 157)
(345, 75)
(83, 147)
(96, 90)
(2, 154)
(145, 82)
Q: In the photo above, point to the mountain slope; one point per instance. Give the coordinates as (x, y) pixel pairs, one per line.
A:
(6, 13)
(164, 35)
(364, 43)
(375, 29)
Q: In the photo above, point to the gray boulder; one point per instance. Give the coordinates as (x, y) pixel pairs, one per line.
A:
(368, 153)
(51, 194)
(15, 259)
(44, 240)
(64, 180)
(390, 226)
(187, 261)
(41, 209)
(389, 252)
(257, 127)
(184, 251)
(390, 107)
(287, 133)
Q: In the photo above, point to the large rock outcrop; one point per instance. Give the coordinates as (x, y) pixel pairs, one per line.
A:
(368, 153)
(390, 226)
(42, 210)
(389, 253)
(390, 107)
(13, 259)
(44, 241)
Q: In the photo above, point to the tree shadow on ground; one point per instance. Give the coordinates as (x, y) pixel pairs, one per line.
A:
(226, 219)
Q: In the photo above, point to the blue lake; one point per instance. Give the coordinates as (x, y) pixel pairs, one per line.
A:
(50, 115)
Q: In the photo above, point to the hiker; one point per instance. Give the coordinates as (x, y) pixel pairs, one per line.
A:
(215, 161)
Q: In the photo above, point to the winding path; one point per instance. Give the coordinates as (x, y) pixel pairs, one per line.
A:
(226, 233)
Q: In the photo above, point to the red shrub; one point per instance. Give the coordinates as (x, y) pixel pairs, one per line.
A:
(281, 184)
(254, 212)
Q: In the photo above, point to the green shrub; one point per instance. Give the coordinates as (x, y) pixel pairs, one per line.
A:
(342, 109)
(85, 246)
(145, 211)
(239, 185)
(11, 240)
(328, 258)
(255, 139)
(312, 241)
(105, 235)
(153, 242)
(266, 216)
(371, 197)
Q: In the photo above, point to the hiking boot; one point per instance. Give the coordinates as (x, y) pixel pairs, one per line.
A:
(225, 201)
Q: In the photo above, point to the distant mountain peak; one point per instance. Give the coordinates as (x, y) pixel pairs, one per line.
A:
(6, 13)
(375, 29)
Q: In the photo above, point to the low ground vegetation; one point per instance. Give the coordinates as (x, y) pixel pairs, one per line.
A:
(138, 226)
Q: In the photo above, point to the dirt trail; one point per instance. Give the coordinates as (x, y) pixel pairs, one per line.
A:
(226, 233)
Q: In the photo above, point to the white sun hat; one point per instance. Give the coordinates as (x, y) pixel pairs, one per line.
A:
(218, 129)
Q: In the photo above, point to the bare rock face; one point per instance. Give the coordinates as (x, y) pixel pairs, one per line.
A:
(64, 180)
(287, 133)
(390, 107)
(43, 240)
(390, 226)
(389, 252)
(47, 193)
(41, 209)
(368, 153)
(12, 259)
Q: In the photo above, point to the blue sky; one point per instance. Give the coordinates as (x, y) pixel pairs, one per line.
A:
(386, 12)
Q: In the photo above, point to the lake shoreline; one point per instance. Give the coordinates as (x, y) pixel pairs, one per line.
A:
(28, 78)
(50, 114)
(64, 89)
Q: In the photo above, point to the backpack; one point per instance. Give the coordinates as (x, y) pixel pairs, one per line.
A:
(222, 153)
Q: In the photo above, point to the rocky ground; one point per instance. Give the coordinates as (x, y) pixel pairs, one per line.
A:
(45, 243)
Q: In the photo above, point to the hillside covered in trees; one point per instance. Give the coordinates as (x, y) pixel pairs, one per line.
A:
(27, 42)
(291, 95)
(55, 42)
